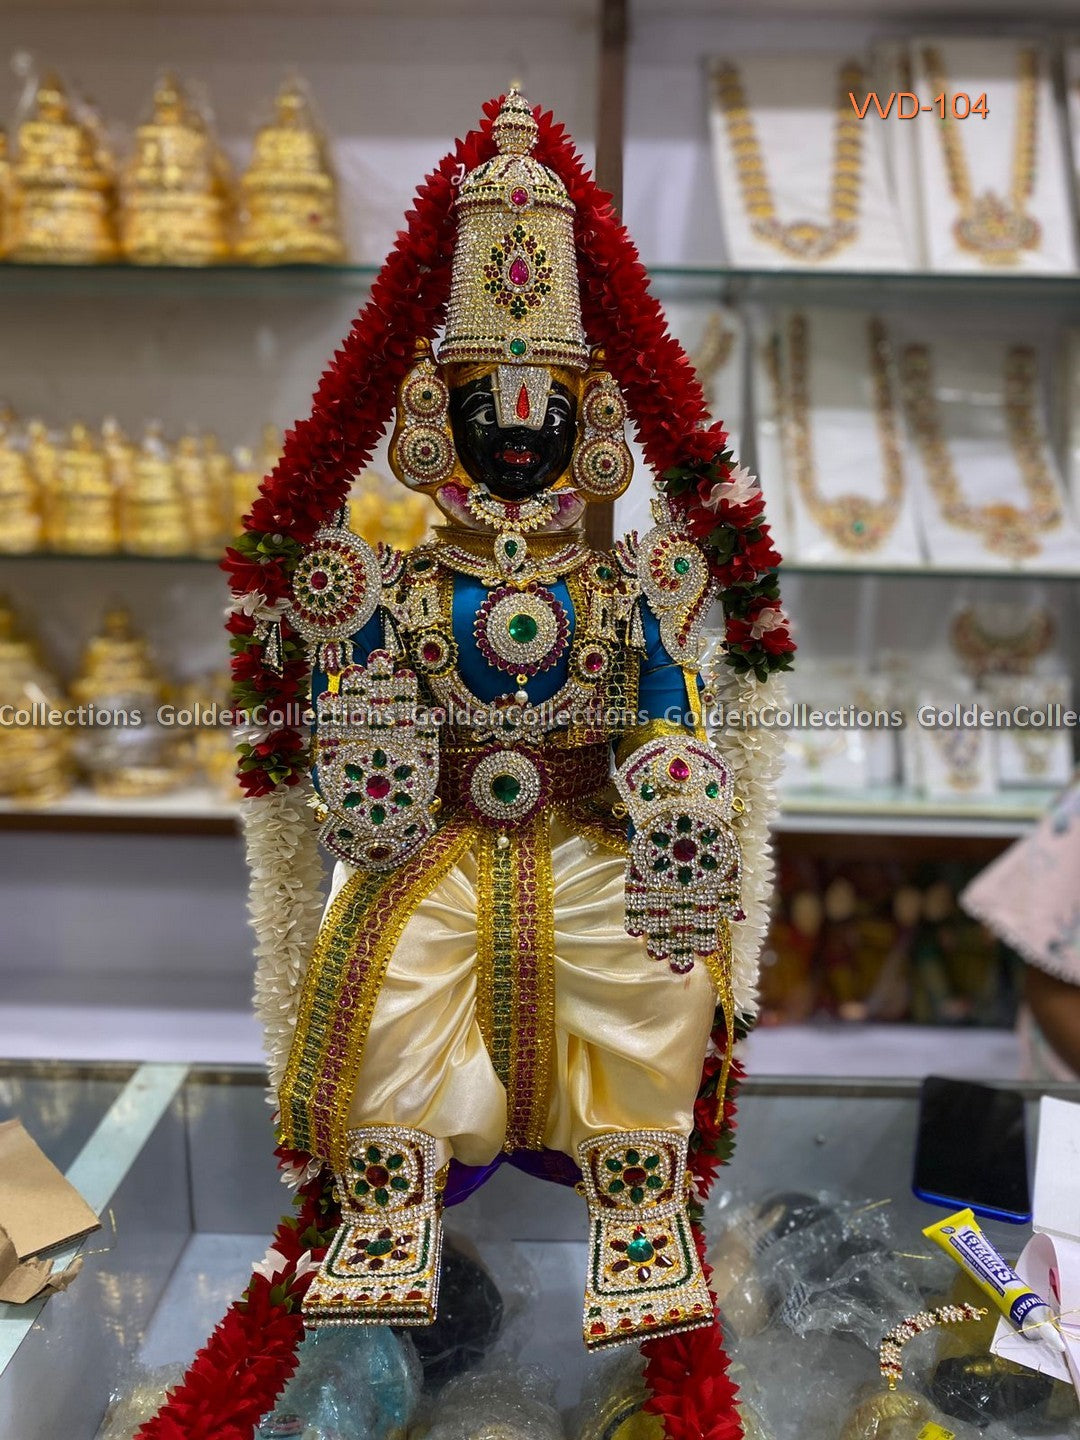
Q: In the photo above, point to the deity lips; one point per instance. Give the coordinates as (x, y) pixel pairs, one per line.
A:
(510, 456)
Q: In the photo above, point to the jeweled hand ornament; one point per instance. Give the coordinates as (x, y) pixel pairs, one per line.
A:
(683, 874)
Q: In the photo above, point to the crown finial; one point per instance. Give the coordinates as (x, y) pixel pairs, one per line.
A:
(515, 130)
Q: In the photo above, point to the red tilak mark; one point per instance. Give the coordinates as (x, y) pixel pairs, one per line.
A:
(523, 404)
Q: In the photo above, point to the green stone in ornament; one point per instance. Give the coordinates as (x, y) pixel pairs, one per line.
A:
(648, 792)
(506, 788)
(378, 759)
(682, 565)
(712, 789)
(859, 527)
(522, 629)
(378, 814)
(383, 1247)
(510, 549)
(638, 1250)
(354, 772)
(351, 801)
(518, 348)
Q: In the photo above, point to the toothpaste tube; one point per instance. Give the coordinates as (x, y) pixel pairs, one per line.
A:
(963, 1241)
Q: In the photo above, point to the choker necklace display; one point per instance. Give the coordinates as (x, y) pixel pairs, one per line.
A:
(805, 240)
(856, 522)
(989, 226)
(1003, 527)
(990, 652)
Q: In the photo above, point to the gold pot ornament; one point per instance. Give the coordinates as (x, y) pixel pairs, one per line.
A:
(62, 186)
(289, 194)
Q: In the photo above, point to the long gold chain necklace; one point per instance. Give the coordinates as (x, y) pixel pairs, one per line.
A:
(989, 226)
(1003, 527)
(806, 240)
(855, 522)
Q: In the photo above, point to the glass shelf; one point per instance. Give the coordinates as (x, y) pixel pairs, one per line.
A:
(670, 283)
(197, 809)
(116, 557)
(789, 569)
(861, 288)
(888, 810)
(919, 572)
(170, 281)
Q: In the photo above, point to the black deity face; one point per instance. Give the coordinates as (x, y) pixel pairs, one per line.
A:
(514, 462)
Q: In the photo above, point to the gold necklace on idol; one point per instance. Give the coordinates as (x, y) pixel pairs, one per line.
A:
(856, 522)
(989, 226)
(806, 240)
(1003, 527)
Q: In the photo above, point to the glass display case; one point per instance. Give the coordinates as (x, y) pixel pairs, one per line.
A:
(177, 1163)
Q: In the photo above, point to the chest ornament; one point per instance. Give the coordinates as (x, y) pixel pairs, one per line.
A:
(522, 632)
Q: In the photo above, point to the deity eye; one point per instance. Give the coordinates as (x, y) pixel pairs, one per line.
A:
(559, 412)
(480, 410)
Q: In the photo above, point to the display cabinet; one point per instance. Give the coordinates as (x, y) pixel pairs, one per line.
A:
(179, 1168)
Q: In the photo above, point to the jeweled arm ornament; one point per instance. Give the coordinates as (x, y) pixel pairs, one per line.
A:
(684, 870)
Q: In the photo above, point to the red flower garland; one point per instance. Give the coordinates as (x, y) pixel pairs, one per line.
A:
(236, 1377)
(355, 398)
(239, 1373)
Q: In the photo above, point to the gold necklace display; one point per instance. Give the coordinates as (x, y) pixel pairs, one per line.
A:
(989, 652)
(1003, 527)
(994, 228)
(856, 522)
(806, 240)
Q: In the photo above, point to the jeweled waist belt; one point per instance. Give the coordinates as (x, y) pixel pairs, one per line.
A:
(505, 785)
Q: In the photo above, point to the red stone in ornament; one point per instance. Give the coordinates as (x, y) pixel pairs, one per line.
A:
(376, 1175)
(523, 404)
(593, 662)
(684, 849)
(430, 651)
(635, 1176)
(319, 580)
(377, 787)
(519, 196)
(519, 271)
(679, 769)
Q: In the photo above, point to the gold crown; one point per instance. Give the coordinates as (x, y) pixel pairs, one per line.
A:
(514, 295)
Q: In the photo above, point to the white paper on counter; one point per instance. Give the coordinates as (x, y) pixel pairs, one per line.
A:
(1050, 1261)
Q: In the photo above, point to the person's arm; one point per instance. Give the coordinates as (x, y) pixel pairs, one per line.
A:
(1055, 1004)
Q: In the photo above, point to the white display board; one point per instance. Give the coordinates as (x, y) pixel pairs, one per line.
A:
(845, 459)
(992, 156)
(794, 108)
(989, 448)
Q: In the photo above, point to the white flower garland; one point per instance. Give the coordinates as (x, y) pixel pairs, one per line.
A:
(285, 903)
(756, 756)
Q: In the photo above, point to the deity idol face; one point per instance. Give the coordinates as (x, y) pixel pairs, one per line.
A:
(513, 461)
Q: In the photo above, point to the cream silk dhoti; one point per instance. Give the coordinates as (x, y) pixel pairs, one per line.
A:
(626, 1036)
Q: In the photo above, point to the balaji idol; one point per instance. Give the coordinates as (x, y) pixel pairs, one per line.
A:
(538, 942)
